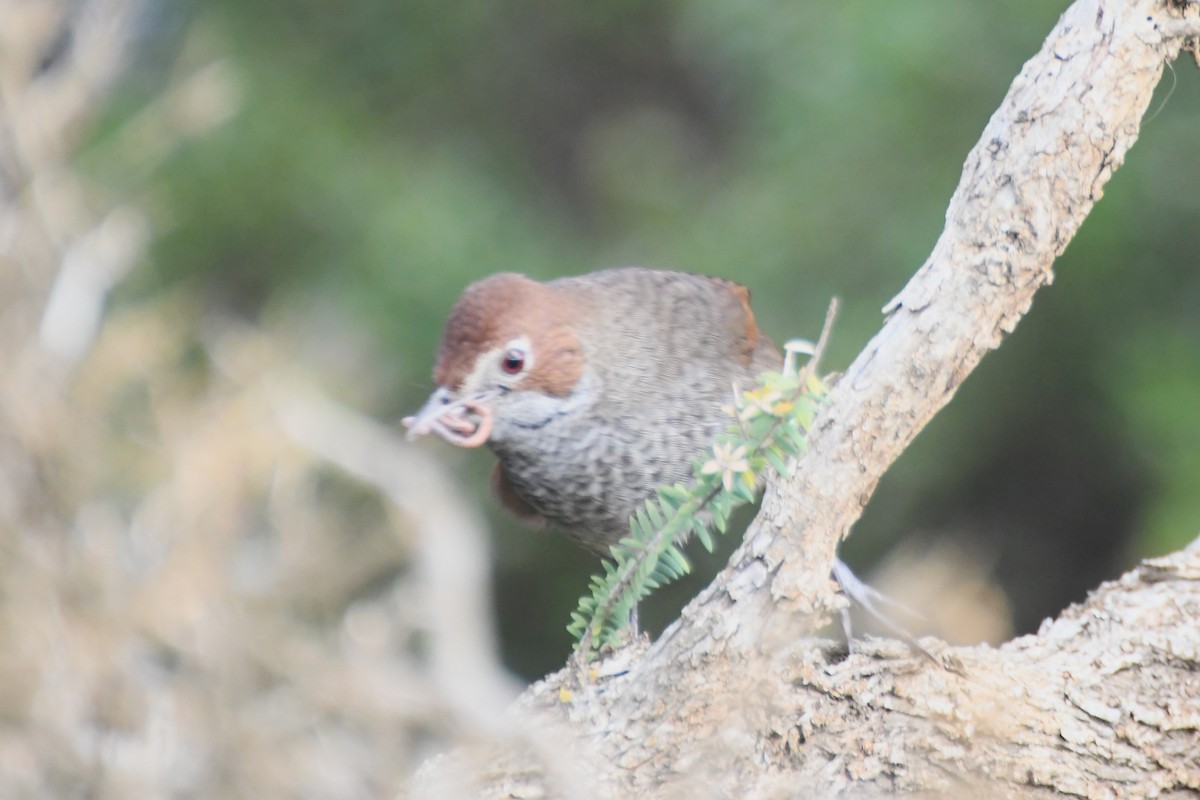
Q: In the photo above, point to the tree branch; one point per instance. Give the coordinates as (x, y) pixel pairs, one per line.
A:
(732, 701)
(1027, 185)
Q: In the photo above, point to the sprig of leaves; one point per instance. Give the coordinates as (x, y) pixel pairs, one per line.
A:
(770, 425)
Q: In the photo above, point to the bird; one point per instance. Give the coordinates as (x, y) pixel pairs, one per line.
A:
(595, 390)
(592, 390)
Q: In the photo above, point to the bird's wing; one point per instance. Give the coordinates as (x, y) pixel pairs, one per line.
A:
(512, 502)
(749, 345)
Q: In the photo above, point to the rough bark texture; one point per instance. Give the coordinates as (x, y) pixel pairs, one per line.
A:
(732, 701)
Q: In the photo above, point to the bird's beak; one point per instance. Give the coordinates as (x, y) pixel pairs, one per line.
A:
(466, 422)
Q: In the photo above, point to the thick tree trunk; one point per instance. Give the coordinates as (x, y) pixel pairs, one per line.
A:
(734, 701)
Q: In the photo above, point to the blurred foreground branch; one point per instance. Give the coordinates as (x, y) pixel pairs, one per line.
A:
(191, 605)
(57, 62)
(452, 556)
(452, 547)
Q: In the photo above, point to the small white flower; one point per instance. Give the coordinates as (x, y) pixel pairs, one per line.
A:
(728, 462)
(759, 401)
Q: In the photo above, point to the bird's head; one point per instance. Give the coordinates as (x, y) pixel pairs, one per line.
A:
(509, 362)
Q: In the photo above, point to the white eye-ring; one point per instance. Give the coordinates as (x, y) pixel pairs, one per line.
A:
(515, 358)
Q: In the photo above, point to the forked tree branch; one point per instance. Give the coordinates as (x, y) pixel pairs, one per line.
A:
(732, 701)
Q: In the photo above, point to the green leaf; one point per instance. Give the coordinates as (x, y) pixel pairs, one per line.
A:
(674, 495)
(678, 561)
(646, 528)
(631, 544)
(721, 506)
(702, 533)
(743, 492)
(656, 518)
(778, 463)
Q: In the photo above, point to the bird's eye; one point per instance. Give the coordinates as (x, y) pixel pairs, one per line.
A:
(513, 361)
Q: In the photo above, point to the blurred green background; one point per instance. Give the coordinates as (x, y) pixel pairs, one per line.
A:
(368, 159)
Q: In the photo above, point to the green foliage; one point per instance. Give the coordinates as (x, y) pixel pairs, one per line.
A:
(770, 427)
(383, 155)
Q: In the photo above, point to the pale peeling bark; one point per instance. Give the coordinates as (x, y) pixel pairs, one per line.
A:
(732, 701)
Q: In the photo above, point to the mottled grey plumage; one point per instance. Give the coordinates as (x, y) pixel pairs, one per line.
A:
(595, 390)
(629, 369)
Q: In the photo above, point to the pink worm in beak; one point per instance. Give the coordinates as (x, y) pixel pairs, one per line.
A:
(453, 425)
